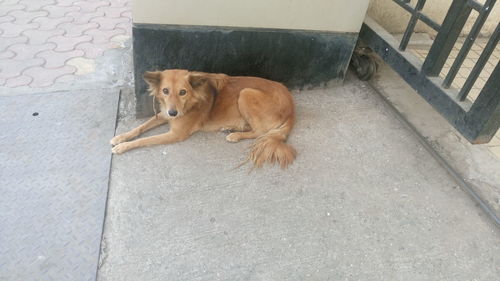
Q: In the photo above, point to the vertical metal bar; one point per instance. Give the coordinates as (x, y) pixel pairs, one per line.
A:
(476, 28)
(411, 25)
(478, 67)
(483, 118)
(447, 36)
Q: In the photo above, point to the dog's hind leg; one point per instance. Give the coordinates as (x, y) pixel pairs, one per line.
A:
(258, 110)
(150, 124)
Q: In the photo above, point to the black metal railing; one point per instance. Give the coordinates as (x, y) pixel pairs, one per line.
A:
(474, 32)
(481, 62)
(416, 15)
(478, 120)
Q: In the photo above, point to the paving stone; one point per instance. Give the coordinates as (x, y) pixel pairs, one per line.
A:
(41, 36)
(68, 43)
(6, 42)
(7, 54)
(79, 18)
(58, 11)
(468, 63)
(127, 14)
(10, 68)
(28, 51)
(58, 59)
(43, 41)
(43, 77)
(473, 54)
(67, 78)
(51, 23)
(6, 8)
(8, 18)
(18, 81)
(24, 17)
(106, 23)
(103, 36)
(13, 30)
(36, 5)
(113, 12)
(480, 82)
(83, 65)
(75, 30)
(488, 70)
(459, 82)
(119, 3)
(10, 2)
(477, 46)
(120, 39)
(89, 7)
(65, 3)
(126, 26)
(93, 50)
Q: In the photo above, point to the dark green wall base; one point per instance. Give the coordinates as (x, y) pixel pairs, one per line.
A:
(294, 57)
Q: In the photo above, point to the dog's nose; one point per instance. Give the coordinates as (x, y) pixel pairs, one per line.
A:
(172, 112)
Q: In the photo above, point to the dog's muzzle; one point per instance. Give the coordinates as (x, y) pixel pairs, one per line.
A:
(172, 112)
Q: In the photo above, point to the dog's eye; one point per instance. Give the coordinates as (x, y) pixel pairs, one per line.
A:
(182, 92)
(165, 91)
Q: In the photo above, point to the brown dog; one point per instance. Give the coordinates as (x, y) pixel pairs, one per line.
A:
(194, 101)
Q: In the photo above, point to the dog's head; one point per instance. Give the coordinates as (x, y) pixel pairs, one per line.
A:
(180, 91)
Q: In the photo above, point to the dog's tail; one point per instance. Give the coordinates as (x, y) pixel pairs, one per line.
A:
(271, 146)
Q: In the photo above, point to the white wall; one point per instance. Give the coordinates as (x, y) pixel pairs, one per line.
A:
(325, 15)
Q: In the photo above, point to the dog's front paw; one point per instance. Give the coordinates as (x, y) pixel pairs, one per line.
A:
(118, 139)
(120, 148)
(233, 137)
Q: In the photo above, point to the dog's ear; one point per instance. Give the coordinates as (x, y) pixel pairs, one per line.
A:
(216, 82)
(153, 80)
(152, 77)
(197, 79)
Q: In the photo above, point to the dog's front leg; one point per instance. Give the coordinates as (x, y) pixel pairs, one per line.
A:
(150, 124)
(169, 137)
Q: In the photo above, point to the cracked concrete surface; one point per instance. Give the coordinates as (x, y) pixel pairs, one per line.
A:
(363, 201)
(475, 163)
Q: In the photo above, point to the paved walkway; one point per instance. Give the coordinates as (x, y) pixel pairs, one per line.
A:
(62, 66)
(44, 42)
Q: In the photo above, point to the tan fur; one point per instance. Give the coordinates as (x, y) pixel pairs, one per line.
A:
(251, 107)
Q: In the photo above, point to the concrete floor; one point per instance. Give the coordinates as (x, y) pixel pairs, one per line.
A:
(363, 201)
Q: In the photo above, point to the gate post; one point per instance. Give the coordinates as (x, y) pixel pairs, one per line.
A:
(484, 116)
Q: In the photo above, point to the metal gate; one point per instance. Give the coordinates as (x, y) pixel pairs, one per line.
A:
(479, 120)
